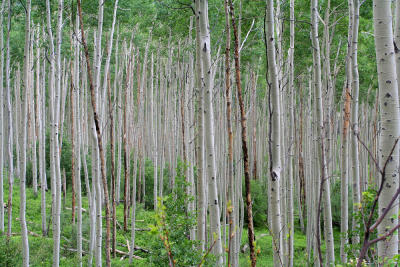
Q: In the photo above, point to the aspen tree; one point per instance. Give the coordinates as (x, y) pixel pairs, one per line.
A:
(10, 127)
(107, 87)
(99, 139)
(200, 151)
(133, 212)
(41, 99)
(22, 205)
(32, 112)
(1, 117)
(390, 128)
(354, 118)
(243, 119)
(320, 129)
(290, 185)
(125, 140)
(274, 138)
(397, 40)
(54, 88)
(346, 120)
(153, 141)
(232, 257)
(207, 85)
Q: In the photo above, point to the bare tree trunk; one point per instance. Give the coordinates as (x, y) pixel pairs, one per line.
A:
(232, 259)
(133, 213)
(1, 117)
(200, 150)
(354, 120)
(22, 205)
(290, 185)
(274, 138)
(250, 226)
(344, 175)
(99, 139)
(10, 126)
(390, 128)
(320, 129)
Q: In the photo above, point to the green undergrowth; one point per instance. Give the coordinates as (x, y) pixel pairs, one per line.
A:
(41, 248)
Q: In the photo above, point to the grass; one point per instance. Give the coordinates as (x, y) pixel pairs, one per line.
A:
(41, 248)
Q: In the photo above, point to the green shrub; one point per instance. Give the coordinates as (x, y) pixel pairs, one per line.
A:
(10, 252)
(259, 197)
(173, 225)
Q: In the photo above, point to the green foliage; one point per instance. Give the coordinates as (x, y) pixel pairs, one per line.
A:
(260, 202)
(336, 203)
(10, 252)
(361, 217)
(65, 162)
(173, 225)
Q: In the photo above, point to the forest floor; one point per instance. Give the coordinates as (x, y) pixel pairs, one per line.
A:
(41, 247)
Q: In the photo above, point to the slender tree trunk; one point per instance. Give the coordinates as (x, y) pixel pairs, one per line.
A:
(99, 139)
(274, 138)
(390, 127)
(354, 120)
(320, 129)
(250, 226)
(345, 179)
(1, 117)
(133, 213)
(290, 185)
(22, 205)
(207, 85)
(200, 160)
(230, 177)
(10, 126)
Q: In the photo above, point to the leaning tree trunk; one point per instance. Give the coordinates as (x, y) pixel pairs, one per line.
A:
(390, 125)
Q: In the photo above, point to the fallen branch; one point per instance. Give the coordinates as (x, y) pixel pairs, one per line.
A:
(127, 254)
(83, 209)
(136, 248)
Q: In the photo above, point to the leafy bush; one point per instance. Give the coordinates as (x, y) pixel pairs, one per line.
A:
(10, 252)
(336, 203)
(260, 202)
(173, 225)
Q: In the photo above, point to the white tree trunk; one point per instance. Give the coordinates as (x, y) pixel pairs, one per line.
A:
(207, 86)
(328, 231)
(10, 125)
(275, 137)
(1, 116)
(22, 205)
(390, 125)
(354, 120)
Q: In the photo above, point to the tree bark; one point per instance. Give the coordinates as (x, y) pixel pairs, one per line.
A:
(250, 226)
(22, 205)
(99, 139)
(354, 120)
(207, 85)
(10, 126)
(274, 138)
(390, 126)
